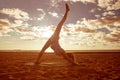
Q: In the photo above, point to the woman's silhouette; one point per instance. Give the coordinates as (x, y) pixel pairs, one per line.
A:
(53, 42)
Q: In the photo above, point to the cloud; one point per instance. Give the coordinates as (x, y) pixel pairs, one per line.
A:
(4, 22)
(28, 38)
(25, 31)
(106, 4)
(5, 35)
(78, 28)
(66, 29)
(22, 29)
(115, 20)
(110, 13)
(54, 14)
(41, 14)
(15, 13)
(91, 33)
(110, 39)
(86, 30)
(4, 27)
(55, 2)
(109, 4)
(18, 23)
(84, 1)
(114, 36)
(97, 15)
(20, 20)
(33, 33)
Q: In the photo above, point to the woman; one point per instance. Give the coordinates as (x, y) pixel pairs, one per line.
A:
(53, 42)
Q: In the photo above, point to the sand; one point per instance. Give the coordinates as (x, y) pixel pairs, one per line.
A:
(93, 66)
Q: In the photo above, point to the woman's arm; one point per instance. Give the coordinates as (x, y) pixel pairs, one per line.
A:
(47, 44)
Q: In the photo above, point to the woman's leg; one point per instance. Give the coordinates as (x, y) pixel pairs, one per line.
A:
(69, 58)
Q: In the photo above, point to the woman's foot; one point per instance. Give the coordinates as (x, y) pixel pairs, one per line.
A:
(67, 7)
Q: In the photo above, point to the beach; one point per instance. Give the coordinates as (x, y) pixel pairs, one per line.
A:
(92, 66)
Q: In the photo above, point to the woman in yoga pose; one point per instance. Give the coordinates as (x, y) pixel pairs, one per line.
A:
(53, 42)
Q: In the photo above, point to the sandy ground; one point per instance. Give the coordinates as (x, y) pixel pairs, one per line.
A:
(93, 66)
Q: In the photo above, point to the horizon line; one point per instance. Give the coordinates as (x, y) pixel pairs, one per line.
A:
(107, 50)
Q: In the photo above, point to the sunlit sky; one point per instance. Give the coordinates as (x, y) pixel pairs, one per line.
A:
(91, 24)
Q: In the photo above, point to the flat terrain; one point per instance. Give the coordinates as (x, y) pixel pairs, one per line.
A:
(93, 66)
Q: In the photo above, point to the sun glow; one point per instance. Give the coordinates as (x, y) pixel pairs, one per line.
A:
(47, 33)
(49, 50)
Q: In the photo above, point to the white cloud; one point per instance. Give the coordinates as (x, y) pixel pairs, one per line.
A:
(86, 30)
(106, 4)
(110, 39)
(4, 22)
(116, 33)
(84, 1)
(80, 32)
(105, 22)
(97, 15)
(18, 23)
(116, 6)
(54, 14)
(4, 27)
(55, 2)
(114, 36)
(20, 19)
(7, 27)
(109, 4)
(41, 14)
(28, 38)
(16, 13)
(5, 35)
(25, 31)
(86, 33)
(108, 13)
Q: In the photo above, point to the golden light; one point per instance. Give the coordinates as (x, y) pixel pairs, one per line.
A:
(47, 33)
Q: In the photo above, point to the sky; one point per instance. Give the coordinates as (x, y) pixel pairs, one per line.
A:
(90, 25)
